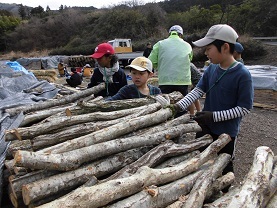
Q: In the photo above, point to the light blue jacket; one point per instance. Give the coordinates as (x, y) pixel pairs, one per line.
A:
(171, 57)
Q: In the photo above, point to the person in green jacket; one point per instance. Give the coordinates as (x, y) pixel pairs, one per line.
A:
(171, 58)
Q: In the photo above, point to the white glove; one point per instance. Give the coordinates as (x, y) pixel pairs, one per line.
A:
(163, 100)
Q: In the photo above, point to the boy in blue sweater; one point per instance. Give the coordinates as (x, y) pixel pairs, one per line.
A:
(141, 71)
(228, 87)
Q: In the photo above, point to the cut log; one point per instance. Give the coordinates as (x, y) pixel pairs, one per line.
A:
(17, 183)
(70, 180)
(73, 159)
(125, 104)
(159, 152)
(199, 191)
(17, 203)
(79, 130)
(256, 185)
(51, 103)
(159, 195)
(54, 124)
(111, 132)
(102, 194)
(167, 194)
(40, 115)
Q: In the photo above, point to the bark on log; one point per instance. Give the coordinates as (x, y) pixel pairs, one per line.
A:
(219, 184)
(273, 201)
(199, 191)
(19, 145)
(54, 124)
(159, 195)
(59, 102)
(45, 187)
(256, 185)
(43, 141)
(223, 201)
(40, 115)
(125, 104)
(111, 132)
(9, 164)
(158, 153)
(73, 159)
(177, 159)
(272, 184)
(17, 183)
(102, 194)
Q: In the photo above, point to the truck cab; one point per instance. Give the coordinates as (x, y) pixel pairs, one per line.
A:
(121, 45)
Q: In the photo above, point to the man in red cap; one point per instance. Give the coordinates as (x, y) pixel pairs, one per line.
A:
(108, 71)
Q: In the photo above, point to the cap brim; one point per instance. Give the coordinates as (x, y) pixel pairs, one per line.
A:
(97, 55)
(203, 42)
(137, 68)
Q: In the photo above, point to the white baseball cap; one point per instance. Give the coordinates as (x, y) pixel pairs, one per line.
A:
(218, 32)
(141, 64)
(176, 28)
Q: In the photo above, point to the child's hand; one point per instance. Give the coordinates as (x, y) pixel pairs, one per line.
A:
(163, 100)
(204, 117)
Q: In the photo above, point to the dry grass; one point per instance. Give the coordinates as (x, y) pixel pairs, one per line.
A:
(18, 54)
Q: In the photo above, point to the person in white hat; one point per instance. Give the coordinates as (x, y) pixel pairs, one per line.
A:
(171, 58)
(141, 70)
(227, 85)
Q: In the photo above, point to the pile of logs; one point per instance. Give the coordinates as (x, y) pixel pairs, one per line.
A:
(80, 151)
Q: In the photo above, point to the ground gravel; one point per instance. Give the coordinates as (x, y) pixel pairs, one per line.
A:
(257, 129)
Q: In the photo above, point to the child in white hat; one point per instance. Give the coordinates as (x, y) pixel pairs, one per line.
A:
(141, 70)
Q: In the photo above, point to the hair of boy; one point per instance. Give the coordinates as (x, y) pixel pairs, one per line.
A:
(219, 43)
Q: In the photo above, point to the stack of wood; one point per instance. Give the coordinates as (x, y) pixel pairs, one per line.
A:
(50, 74)
(84, 152)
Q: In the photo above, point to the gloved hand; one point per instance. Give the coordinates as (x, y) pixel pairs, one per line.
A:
(163, 100)
(175, 108)
(204, 117)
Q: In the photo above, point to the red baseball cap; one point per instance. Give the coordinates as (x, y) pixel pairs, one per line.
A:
(102, 49)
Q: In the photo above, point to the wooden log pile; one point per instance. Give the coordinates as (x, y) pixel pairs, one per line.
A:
(87, 153)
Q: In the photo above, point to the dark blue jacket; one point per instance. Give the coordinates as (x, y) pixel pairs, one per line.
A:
(119, 80)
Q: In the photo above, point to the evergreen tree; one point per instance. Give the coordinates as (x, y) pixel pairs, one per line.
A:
(22, 11)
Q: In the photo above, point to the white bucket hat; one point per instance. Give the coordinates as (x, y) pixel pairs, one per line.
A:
(141, 64)
(218, 32)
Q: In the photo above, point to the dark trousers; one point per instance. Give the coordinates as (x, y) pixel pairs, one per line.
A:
(229, 148)
(166, 89)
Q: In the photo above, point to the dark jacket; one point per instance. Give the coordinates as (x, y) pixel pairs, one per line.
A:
(75, 80)
(147, 52)
(119, 80)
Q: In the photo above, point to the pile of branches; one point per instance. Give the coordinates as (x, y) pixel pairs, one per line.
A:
(80, 151)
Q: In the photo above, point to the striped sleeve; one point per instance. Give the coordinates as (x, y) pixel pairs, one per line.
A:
(230, 114)
(190, 98)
